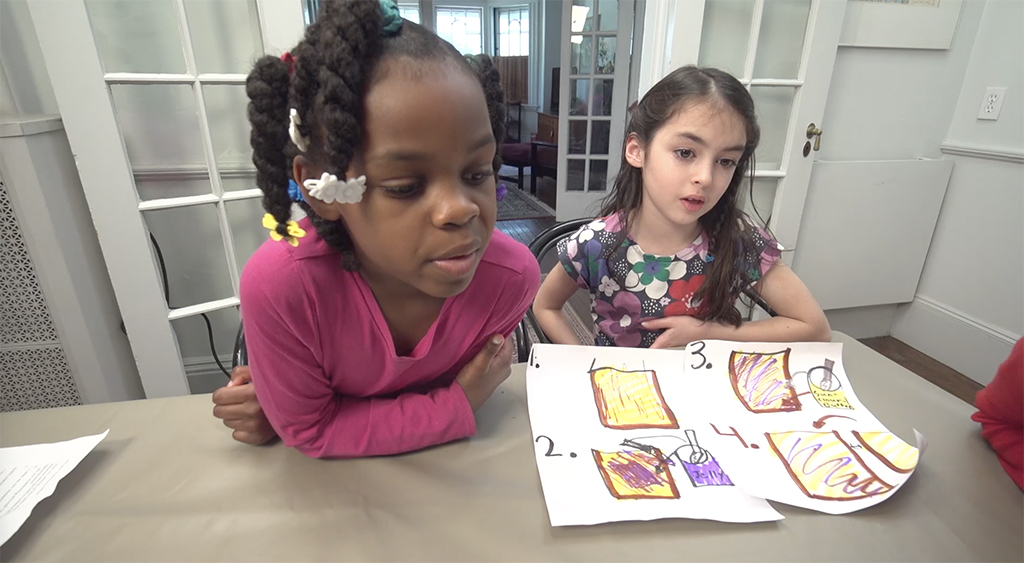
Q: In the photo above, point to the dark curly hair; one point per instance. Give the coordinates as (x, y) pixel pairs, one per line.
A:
(334, 65)
(729, 230)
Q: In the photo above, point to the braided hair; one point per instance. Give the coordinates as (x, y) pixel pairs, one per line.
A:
(336, 62)
(729, 230)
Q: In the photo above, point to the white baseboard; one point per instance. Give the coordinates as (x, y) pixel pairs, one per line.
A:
(862, 322)
(971, 346)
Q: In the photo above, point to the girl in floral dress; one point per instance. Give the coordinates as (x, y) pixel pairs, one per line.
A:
(671, 253)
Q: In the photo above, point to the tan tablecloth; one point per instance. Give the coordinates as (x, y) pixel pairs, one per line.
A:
(168, 483)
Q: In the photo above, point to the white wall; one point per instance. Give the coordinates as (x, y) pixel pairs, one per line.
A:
(893, 104)
(969, 308)
(27, 86)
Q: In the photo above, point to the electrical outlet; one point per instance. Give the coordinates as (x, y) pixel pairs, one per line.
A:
(992, 103)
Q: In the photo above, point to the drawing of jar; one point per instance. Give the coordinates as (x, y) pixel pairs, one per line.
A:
(701, 467)
(826, 387)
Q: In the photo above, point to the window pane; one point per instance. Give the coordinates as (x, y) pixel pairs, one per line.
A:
(410, 12)
(726, 33)
(764, 198)
(608, 15)
(574, 179)
(603, 97)
(606, 55)
(577, 137)
(598, 175)
(580, 57)
(461, 28)
(599, 135)
(582, 15)
(229, 128)
(134, 36)
(161, 132)
(225, 35)
(204, 376)
(774, 105)
(579, 89)
(159, 123)
(193, 252)
(781, 41)
(247, 232)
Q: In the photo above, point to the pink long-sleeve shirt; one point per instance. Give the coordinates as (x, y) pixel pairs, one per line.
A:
(324, 365)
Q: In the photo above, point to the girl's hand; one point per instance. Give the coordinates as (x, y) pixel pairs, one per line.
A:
(679, 330)
(237, 405)
(484, 373)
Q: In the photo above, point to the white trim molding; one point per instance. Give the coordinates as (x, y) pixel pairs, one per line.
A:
(969, 345)
(988, 153)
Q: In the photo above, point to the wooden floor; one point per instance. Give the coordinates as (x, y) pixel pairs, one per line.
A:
(946, 378)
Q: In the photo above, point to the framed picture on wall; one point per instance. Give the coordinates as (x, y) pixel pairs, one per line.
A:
(900, 24)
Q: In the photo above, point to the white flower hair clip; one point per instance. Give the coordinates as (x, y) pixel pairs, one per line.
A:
(293, 130)
(329, 189)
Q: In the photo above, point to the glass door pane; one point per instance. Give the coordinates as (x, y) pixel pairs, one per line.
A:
(773, 104)
(726, 35)
(192, 248)
(134, 36)
(225, 35)
(160, 126)
(781, 41)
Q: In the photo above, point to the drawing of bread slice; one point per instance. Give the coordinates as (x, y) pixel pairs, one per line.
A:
(762, 381)
(896, 454)
(636, 475)
(630, 399)
(824, 466)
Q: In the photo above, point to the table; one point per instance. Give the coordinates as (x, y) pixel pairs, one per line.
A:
(168, 483)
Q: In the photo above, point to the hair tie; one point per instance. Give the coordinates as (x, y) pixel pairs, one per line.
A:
(294, 192)
(294, 122)
(392, 17)
(330, 189)
(289, 60)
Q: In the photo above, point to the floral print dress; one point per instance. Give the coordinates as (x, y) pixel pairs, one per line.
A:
(632, 286)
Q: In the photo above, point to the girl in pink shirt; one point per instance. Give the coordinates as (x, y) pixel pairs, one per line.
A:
(377, 324)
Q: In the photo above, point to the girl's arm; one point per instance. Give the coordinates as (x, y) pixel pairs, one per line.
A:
(300, 400)
(556, 290)
(800, 317)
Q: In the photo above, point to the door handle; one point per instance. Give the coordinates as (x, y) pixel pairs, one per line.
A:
(813, 132)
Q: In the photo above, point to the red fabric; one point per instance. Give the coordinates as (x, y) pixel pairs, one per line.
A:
(516, 154)
(519, 154)
(1001, 414)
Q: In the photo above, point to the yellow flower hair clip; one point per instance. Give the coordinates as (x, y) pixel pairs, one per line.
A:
(295, 232)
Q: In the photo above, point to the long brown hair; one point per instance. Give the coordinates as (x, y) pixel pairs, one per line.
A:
(727, 239)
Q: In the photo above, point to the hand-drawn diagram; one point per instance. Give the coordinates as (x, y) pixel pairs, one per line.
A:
(645, 471)
(630, 399)
(824, 466)
(762, 381)
(896, 454)
(826, 387)
(634, 474)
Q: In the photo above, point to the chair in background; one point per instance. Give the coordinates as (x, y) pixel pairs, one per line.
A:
(547, 241)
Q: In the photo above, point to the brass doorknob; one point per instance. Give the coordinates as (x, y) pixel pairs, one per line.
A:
(814, 132)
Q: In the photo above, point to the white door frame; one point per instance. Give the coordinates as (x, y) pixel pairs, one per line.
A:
(576, 204)
(83, 95)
